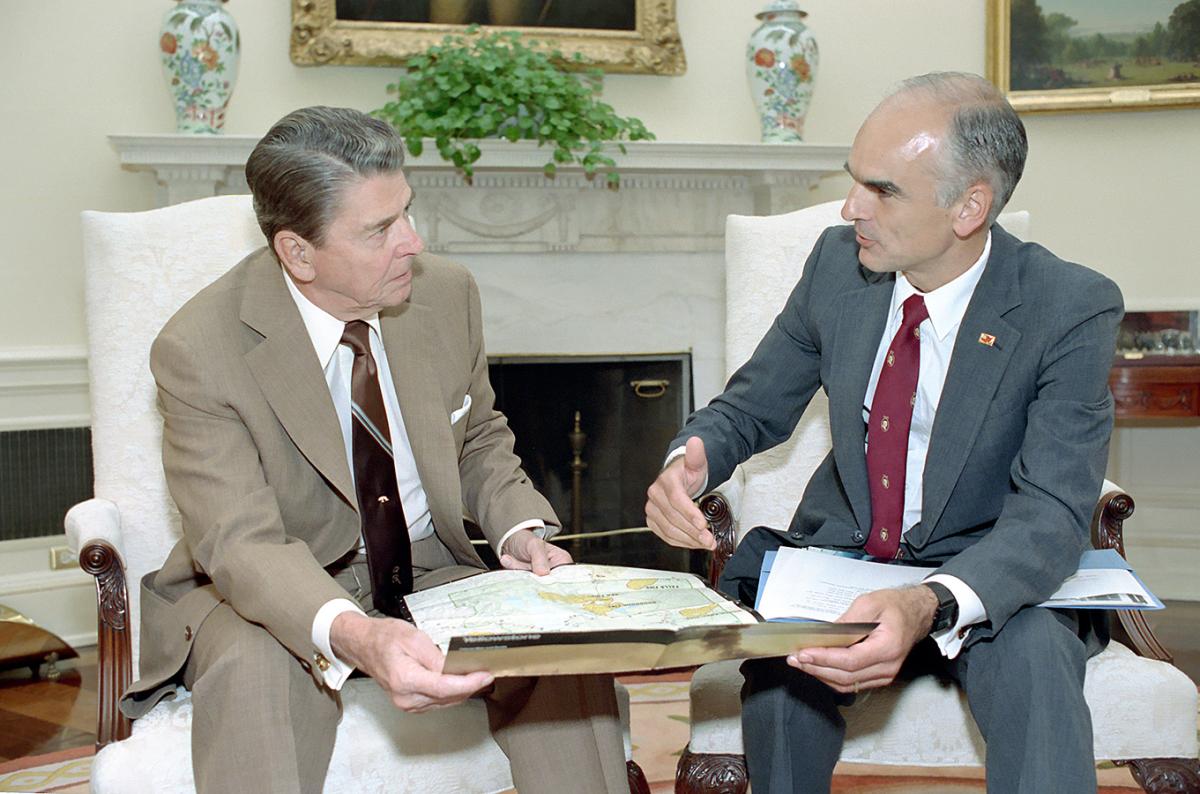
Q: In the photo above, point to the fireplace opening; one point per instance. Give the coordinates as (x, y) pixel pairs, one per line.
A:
(591, 432)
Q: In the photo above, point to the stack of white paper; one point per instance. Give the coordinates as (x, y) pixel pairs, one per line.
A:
(814, 584)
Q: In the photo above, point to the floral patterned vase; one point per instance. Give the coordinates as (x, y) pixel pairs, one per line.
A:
(200, 46)
(781, 62)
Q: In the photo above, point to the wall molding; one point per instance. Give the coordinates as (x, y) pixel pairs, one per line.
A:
(61, 601)
(674, 196)
(44, 387)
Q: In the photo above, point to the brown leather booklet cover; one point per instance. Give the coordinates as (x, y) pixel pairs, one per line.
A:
(633, 650)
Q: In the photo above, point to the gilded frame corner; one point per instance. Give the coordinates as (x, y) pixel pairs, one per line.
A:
(1141, 97)
(318, 38)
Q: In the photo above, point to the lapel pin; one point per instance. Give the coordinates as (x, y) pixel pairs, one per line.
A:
(987, 339)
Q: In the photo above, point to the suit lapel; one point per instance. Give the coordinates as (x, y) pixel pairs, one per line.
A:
(286, 368)
(862, 316)
(975, 372)
(412, 348)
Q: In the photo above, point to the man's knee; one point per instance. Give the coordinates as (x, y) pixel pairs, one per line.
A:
(1034, 637)
(239, 653)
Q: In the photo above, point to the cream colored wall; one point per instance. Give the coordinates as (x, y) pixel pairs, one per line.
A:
(1112, 190)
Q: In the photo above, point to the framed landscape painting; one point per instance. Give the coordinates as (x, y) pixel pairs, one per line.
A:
(614, 35)
(1056, 55)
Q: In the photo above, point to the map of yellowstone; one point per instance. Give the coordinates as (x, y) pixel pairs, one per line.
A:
(570, 598)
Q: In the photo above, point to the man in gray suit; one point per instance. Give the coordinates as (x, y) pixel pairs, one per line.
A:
(968, 406)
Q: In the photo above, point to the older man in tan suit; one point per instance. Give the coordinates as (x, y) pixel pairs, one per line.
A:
(280, 588)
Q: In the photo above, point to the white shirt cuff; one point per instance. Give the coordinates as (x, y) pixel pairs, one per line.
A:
(338, 671)
(678, 452)
(970, 612)
(536, 524)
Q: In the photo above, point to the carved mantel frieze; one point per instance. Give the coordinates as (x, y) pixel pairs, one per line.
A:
(673, 197)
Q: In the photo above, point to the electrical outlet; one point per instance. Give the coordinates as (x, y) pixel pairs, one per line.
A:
(63, 559)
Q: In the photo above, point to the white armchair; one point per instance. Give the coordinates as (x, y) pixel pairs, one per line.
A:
(1143, 708)
(140, 267)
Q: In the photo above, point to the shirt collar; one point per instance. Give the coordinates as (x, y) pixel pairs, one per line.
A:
(948, 303)
(323, 328)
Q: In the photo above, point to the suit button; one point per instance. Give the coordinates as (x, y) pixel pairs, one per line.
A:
(187, 633)
(858, 537)
(795, 534)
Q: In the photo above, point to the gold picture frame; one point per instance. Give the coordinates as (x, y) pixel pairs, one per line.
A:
(319, 37)
(1138, 94)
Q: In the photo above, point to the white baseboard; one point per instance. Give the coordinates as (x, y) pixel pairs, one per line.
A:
(63, 602)
(43, 387)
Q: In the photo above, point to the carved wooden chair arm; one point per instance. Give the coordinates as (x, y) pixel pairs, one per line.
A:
(114, 656)
(720, 520)
(1108, 522)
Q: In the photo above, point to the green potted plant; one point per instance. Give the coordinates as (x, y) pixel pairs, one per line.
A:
(487, 85)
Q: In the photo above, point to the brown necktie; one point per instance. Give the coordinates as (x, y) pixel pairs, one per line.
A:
(384, 528)
(887, 434)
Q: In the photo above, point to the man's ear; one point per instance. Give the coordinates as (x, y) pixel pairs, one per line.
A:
(973, 209)
(294, 253)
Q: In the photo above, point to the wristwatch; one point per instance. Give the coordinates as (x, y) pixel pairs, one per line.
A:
(946, 614)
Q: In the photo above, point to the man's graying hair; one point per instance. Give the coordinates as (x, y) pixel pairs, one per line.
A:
(986, 137)
(298, 171)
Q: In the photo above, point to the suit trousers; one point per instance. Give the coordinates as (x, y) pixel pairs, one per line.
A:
(260, 722)
(1024, 687)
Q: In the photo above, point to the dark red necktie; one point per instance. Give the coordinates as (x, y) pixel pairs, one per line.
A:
(384, 528)
(887, 433)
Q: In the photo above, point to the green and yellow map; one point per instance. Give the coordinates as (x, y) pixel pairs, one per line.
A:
(570, 598)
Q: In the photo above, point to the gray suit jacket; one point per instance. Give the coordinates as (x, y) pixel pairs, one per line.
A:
(1019, 444)
(256, 463)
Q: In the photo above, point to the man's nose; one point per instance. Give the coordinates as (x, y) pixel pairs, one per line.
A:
(852, 208)
(410, 241)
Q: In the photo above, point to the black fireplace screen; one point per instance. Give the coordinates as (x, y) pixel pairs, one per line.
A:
(591, 433)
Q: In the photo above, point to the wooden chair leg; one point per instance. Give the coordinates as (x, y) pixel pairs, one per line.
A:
(710, 773)
(637, 779)
(1165, 775)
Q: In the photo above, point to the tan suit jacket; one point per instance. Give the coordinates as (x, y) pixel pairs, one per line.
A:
(255, 459)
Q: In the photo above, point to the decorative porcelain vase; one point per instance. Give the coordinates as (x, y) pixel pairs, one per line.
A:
(200, 47)
(781, 62)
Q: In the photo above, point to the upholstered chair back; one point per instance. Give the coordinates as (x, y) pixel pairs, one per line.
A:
(140, 267)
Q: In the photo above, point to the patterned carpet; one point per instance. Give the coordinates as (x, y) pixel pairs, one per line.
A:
(62, 772)
(659, 727)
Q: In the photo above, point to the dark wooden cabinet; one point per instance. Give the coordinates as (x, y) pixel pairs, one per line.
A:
(1156, 387)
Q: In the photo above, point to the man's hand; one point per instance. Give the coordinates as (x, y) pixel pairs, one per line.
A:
(525, 551)
(670, 510)
(904, 616)
(402, 660)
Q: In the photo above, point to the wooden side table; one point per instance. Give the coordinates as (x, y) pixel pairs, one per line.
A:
(1156, 387)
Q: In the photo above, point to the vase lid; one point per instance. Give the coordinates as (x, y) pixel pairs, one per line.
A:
(781, 7)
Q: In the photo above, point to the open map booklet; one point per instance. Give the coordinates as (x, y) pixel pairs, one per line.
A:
(601, 619)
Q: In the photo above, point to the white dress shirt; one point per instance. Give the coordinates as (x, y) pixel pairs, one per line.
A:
(946, 305)
(337, 362)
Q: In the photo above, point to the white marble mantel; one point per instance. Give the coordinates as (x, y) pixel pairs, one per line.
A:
(566, 266)
(673, 198)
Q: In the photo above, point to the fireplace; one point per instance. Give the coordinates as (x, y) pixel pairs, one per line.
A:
(591, 432)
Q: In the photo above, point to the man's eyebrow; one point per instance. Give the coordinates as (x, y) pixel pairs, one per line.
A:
(380, 224)
(388, 221)
(880, 185)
